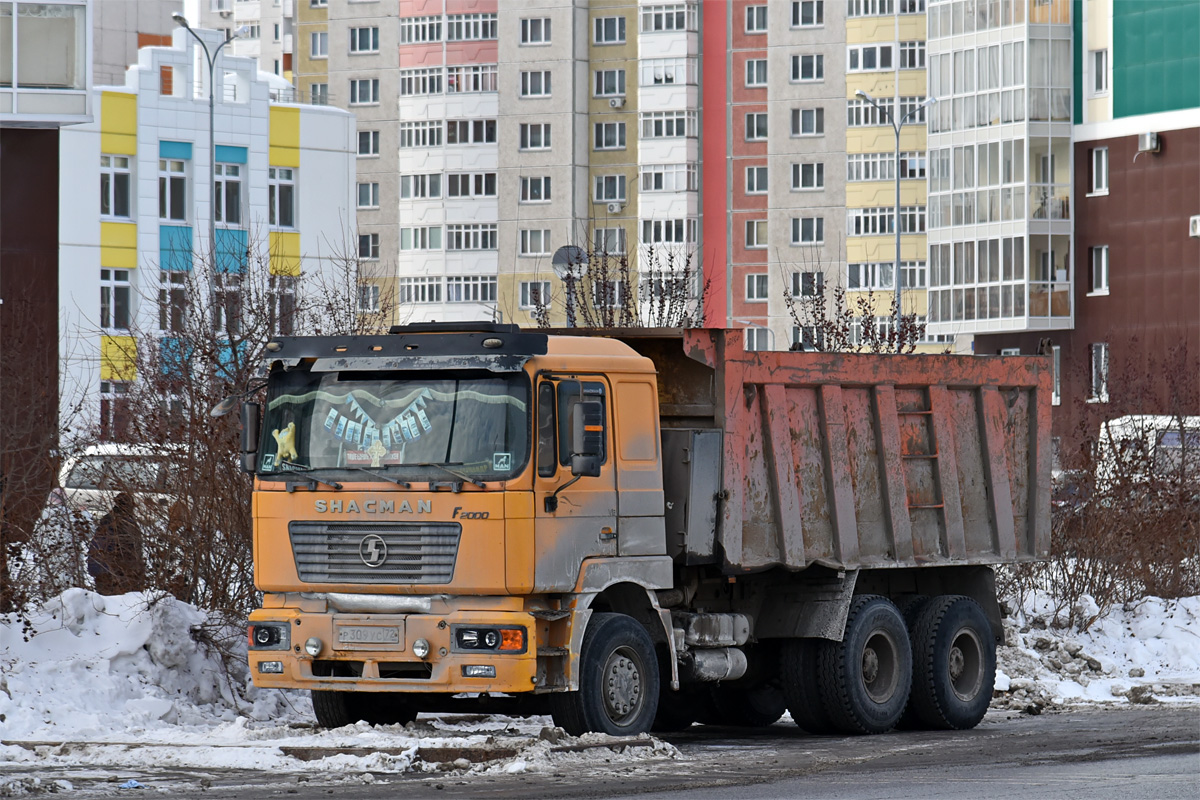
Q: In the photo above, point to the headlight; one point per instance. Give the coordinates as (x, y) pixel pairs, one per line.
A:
(268, 636)
(506, 640)
(420, 648)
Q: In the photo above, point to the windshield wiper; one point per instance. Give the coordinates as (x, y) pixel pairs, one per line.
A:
(310, 479)
(446, 468)
(387, 478)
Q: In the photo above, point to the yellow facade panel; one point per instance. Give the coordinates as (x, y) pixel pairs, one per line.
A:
(118, 245)
(285, 137)
(118, 123)
(285, 252)
(118, 358)
(883, 29)
(882, 248)
(876, 194)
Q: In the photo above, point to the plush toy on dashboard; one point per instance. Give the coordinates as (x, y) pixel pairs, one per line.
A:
(285, 443)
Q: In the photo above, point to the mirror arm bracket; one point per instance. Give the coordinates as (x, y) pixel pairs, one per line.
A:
(551, 503)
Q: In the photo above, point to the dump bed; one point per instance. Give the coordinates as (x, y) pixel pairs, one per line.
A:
(850, 460)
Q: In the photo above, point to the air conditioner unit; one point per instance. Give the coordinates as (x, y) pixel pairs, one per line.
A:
(1194, 227)
(616, 102)
(1148, 142)
(615, 208)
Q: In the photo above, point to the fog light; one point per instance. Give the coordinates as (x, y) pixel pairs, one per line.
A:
(313, 646)
(271, 667)
(478, 671)
(420, 648)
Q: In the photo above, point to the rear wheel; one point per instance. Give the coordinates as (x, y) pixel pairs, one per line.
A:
(618, 681)
(954, 663)
(338, 709)
(801, 685)
(866, 678)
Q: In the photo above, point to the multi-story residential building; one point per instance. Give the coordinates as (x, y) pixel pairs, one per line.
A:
(122, 27)
(1062, 180)
(284, 186)
(270, 28)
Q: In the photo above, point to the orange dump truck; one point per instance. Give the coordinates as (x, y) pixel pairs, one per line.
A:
(640, 529)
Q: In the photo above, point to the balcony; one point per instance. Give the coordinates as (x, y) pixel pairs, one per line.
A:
(43, 80)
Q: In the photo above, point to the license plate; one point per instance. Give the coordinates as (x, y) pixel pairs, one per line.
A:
(367, 634)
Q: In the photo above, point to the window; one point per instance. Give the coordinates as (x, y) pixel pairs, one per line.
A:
(808, 68)
(860, 113)
(869, 221)
(912, 7)
(368, 246)
(318, 45)
(368, 298)
(912, 219)
(608, 294)
(471, 184)
(1056, 375)
(227, 303)
(864, 58)
(368, 195)
(114, 186)
(1100, 170)
(912, 166)
(758, 338)
(364, 92)
(471, 289)
(318, 94)
(609, 30)
(667, 71)
(535, 242)
(808, 230)
(114, 299)
(757, 288)
(364, 40)
(756, 238)
(675, 17)
(535, 190)
(535, 84)
(610, 241)
(668, 124)
(534, 294)
(420, 29)
(756, 19)
(808, 122)
(609, 82)
(368, 143)
(253, 30)
(808, 337)
(756, 72)
(756, 180)
(172, 300)
(535, 136)
(421, 187)
(471, 236)
(470, 27)
(912, 55)
(426, 133)
(419, 290)
(470, 131)
(1099, 373)
(114, 410)
(281, 305)
(668, 177)
(870, 276)
(471, 78)
(1098, 60)
(756, 127)
(609, 135)
(423, 237)
(869, 8)
(808, 13)
(912, 109)
(172, 190)
(807, 284)
(1100, 269)
(668, 231)
(229, 193)
(808, 176)
(610, 188)
(912, 274)
(426, 80)
(535, 31)
(281, 197)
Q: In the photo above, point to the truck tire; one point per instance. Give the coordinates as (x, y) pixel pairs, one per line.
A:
(954, 664)
(618, 681)
(910, 606)
(748, 707)
(801, 688)
(338, 709)
(866, 678)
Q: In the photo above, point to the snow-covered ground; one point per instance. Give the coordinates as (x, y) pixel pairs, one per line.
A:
(103, 673)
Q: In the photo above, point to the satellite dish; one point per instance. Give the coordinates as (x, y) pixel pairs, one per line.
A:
(569, 259)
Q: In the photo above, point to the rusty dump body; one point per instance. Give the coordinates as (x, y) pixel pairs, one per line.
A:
(853, 460)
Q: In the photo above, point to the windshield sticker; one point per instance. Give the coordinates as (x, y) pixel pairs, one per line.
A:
(331, 419)
(341, 427)
(285, 443)
(501, 462)
(268, 464)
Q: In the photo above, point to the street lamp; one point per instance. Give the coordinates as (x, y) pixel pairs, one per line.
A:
(896, 126)
(181, 20)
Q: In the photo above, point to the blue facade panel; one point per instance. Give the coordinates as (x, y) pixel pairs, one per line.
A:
(231, 250)
(227, 154)
(175, 248)
(168, 149)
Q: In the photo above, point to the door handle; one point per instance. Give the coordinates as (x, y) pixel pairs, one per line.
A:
(607, 534)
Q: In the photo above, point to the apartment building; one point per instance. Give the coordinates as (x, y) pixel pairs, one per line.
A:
(284, 187)
(269, 29)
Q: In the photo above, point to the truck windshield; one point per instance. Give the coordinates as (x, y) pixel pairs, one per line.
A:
(478, 424)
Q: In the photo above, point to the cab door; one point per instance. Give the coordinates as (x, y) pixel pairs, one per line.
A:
(575, 518)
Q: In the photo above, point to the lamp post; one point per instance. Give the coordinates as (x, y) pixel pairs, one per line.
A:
(212, 142)
(896, 126)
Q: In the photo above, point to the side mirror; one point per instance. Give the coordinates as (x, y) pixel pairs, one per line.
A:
(250, 431)
(587, 438)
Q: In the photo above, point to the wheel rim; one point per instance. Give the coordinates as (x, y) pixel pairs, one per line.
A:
(880, 666)
(623, 695)
(965, 664)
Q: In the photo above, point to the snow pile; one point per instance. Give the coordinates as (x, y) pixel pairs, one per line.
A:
(1142, 652)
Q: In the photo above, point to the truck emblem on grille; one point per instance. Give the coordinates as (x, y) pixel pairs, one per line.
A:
(372, 550)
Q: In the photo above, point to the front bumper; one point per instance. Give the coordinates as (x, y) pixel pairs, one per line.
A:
(357, 664)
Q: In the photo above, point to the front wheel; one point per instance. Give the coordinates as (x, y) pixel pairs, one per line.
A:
(618, 681)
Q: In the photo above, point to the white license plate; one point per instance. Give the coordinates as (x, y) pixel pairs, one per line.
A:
(367, 634)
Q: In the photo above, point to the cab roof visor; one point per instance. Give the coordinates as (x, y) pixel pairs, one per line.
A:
(500, 348)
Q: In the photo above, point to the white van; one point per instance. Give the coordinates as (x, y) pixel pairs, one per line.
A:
(91, 480)
(1139, 446)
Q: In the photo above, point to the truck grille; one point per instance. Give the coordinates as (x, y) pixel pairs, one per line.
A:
(338, 552)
